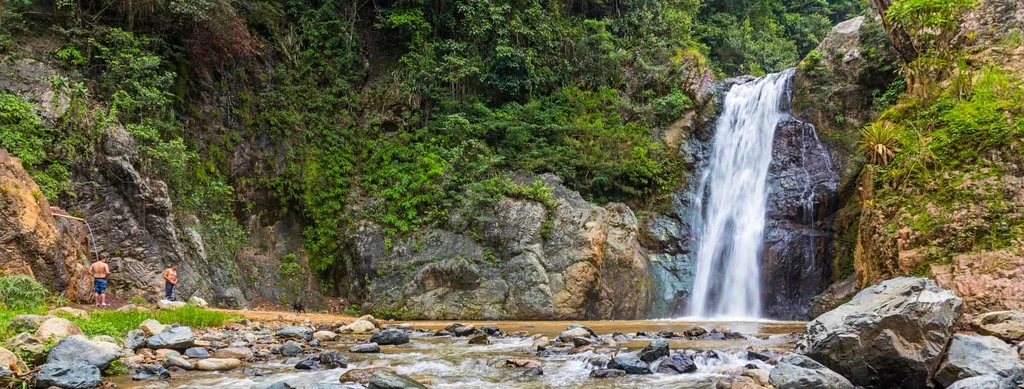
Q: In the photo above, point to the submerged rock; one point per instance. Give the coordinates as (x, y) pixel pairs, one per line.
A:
(630, 364)
(799, 372)
(392, 380)
(69, 376)
(890, 334)
(976, 355)
(150, 373)
(1005, 325)
(390, 337)
(677, 363)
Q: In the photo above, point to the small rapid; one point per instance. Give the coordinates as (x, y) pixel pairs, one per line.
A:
(730, 203)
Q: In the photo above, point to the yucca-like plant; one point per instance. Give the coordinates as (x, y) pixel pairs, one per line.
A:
(880, 142)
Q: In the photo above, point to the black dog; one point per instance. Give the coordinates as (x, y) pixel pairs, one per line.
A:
(298, 307)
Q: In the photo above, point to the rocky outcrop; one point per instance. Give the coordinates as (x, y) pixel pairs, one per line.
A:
(518, 259)
(889, 335)
(975, 356)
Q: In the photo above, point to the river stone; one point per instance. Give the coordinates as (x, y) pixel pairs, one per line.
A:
(242, 353)
(463, 330)
(68, 376)
(150, 373)
(575, 326)
(362, 376)
(533, 372)
(607, 373)
(197, 353)
(522, 362)
(325, 336)
(293, 383)
(891, 334)
(1005, 325)
(976, 355)
(990, 381)
(56, 328)
(358, 327)
(390, 337)
(391, 380)
(333, 360)
(308, 364)
(177, 361)
(134, 339)
(656, 349)
(579, 332)
(677, 363)
(79, 349)
(178, 338)
(295, 332)
(152, 327)
(27, 323)
(291, 349)
(796, 371)
(630, 364)
(160, 353)
(29, 347)
(540, 343)
(365, 348)
(481, 339)
(490, 329)
(218, 364)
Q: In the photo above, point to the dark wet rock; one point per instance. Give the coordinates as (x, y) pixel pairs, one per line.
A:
(990, 381)
(607, 373)
(976, 355)
(150, 373)
(308, 364)
(533, 372)
(295, 383)
(796, 371)
(79, 349)
(890, 334)
(630, 364)
(490, 329)
(481, 339)
(390, 337)
(391, 380)
(677, 363)
(291, 349)
(464, 330)
(365, 348)
(134, 339)
(620, 337)
(451, 327)
(750, 366)
(695, 332)
(443, 333)
(197, 353)
(656, 349)
(581, 342)
(69, 376)
(333, 359)
(667, 334)
(642, 334)
(295, 332)
(756, 355)
(175, 338)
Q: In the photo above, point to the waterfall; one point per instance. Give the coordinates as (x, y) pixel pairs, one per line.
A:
(730, 203)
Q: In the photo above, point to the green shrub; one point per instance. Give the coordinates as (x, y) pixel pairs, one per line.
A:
(21, 293)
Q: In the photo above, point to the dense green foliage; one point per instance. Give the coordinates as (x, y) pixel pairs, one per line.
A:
(18, 292)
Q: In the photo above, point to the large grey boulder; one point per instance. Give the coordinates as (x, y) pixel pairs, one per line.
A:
(175, 338)
(631, 364)
(295, 332)
(79, 349)
(889, 335)
(390, 337)
(68, 376)
(990, 381)
(390, 380)
(656, 349)
(1005, 325)
(796, 371)
(976, 355)
(134, 339)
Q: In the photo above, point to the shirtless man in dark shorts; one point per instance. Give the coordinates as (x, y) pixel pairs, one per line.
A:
(100, 271)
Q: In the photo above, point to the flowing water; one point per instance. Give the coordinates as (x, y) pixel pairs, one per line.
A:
(730, 204)
(445, 362)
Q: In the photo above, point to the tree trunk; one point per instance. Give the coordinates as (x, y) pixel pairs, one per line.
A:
(901, 41)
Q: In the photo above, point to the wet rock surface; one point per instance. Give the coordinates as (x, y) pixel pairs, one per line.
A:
(69, 376)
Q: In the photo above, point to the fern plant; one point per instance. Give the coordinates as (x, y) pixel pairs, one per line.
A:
(880, 142)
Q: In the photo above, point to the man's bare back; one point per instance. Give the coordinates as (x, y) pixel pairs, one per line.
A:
(99, 270)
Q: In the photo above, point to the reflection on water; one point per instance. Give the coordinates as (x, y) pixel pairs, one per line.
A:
(443, 362)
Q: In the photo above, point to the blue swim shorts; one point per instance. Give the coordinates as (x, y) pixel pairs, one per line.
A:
(100, 285)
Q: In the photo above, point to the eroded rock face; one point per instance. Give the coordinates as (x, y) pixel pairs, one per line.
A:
(517, 260)
(889, 335)
(1005, 325)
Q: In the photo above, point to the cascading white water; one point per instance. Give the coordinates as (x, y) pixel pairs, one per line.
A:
(729, 206)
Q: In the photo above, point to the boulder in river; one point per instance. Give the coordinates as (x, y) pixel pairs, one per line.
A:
(197, 353)
(332, 360)
(69, 376)
(325, 336)
(359, 326)
(308, 364)
(1005, 325)
(607, 373)
(630, 364)
(294, 383)
(57, 328)
(656, 349)
(243, 353)
(976, 355)
(295, 332)
(463, 330)
(365, 348)
(291, 349)
(218, 364)
(480, 339)
(177, 338)
(796, 371)
(79, 349)
(362, 376)
(150, 373)
(695, 332)
(568, 335)
(392, 380)
(677, 363)
(390, 337)
(889, 335)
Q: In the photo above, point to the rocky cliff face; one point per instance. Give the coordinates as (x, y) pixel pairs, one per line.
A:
(520, 260)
